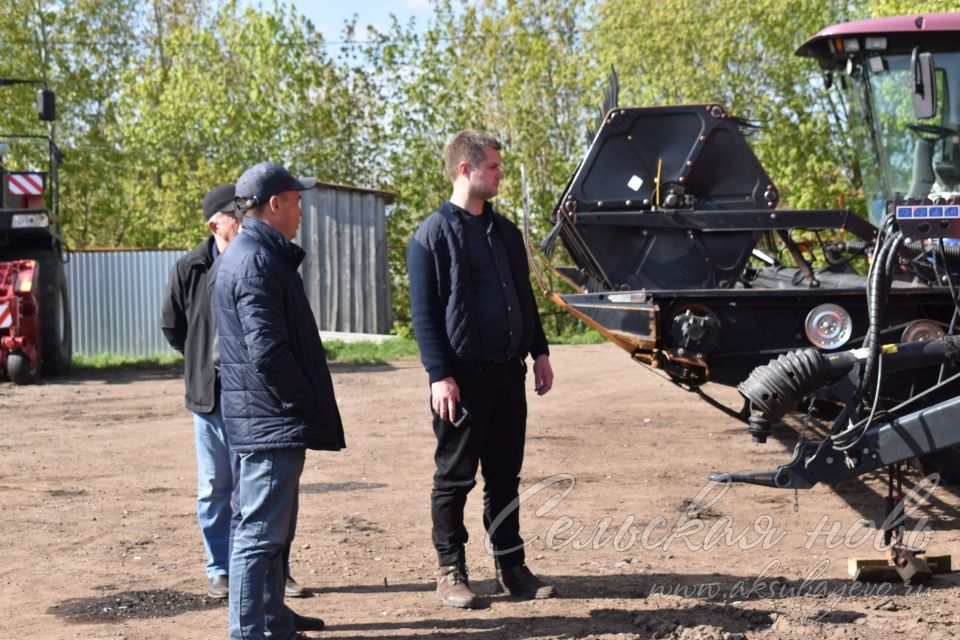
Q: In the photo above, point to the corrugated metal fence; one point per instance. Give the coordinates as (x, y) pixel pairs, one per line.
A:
(115, 299)
(115, 296)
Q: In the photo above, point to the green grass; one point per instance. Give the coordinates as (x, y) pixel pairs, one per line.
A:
(371, 352)
(117, 361)
(589, 336)
(337, 351)
(353, 353)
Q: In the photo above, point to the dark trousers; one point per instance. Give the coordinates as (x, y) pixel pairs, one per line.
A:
(493, 438)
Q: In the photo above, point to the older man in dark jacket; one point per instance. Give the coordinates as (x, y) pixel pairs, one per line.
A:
(187, 324)
(277, 392)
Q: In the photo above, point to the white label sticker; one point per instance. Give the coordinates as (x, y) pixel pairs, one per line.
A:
(635, 183)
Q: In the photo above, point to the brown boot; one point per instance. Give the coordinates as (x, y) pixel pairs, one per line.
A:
(520, 582)
(453, 587)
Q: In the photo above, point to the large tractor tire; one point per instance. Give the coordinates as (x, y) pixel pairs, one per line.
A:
(56, 332)
(18, 369)
(57, 342)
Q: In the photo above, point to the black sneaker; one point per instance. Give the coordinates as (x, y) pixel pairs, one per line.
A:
(520, 582)
(306, 623)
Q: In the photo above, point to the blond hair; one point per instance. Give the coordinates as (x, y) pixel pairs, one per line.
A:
(469, 146)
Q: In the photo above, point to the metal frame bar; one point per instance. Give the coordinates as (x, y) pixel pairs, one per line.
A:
(750, 220)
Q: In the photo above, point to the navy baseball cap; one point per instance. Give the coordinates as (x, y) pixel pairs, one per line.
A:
(220, 198)
(264, 180)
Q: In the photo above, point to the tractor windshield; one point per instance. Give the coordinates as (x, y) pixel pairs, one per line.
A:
(899, 154)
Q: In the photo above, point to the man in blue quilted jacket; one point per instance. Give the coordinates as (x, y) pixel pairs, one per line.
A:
(277, 393)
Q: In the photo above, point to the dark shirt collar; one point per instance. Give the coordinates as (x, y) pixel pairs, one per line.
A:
(487, 209)
(452, 212)
(201, 254)
(482, 220)
(274, 241)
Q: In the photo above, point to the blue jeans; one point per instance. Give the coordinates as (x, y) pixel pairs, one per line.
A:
(216, 468)
(269, 501)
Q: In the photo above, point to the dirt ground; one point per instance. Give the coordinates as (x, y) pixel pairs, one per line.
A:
(99, 536)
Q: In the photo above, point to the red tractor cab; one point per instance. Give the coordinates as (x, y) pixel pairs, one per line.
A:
(902, 79)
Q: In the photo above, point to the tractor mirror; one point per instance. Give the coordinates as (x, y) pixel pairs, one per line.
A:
(924, 86)
(46, 105)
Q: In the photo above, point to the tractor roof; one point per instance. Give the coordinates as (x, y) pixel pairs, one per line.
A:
(933, 31)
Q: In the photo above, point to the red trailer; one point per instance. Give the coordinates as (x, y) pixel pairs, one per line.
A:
(19, 321)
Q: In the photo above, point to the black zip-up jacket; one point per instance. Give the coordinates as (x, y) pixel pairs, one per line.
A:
(442, 300)
(277, 390)
(187, 324)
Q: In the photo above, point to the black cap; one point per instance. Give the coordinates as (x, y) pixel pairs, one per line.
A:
(264, 180)
(220, 198)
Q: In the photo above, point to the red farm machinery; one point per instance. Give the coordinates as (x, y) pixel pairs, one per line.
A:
(35, 332)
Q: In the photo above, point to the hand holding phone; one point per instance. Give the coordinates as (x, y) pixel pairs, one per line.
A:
(461, 417)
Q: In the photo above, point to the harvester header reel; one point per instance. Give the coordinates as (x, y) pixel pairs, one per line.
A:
(654, 179)
(668, 158)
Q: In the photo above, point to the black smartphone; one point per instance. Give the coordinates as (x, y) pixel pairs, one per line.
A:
(461, 417)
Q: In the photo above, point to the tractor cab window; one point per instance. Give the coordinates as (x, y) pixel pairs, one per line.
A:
(898, 153)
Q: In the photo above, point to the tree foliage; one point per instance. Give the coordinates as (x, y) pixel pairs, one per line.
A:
(222, 93)
(740, 55)
(160, 99)
(510, 68)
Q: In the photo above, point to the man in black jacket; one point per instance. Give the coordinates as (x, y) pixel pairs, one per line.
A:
(188, 327)
(475, 318)
(277, 392)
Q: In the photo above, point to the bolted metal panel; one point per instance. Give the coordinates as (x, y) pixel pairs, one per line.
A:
(345, 272)
(115, 299)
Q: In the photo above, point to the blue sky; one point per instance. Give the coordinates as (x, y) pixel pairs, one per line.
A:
(328, 16)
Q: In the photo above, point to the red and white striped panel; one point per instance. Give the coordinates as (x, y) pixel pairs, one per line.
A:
(6, 315)
(26, 184)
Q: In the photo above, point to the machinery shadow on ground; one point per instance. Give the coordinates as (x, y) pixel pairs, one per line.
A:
(711, 595)
(865, 494)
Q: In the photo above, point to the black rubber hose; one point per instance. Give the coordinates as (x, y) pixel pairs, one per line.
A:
(881, 274)
(889, 267)
(778, 387)
(871, 340)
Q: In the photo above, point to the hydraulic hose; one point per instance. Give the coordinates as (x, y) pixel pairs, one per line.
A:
(777, 388)
(880, 274)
